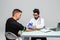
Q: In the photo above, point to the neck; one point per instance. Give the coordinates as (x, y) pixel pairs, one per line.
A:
(14, 18)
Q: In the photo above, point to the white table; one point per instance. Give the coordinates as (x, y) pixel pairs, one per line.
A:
(41, 34)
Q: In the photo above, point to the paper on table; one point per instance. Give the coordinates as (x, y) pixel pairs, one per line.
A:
(45, 30)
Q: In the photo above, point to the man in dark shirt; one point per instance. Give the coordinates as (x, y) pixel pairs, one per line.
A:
(12, 25)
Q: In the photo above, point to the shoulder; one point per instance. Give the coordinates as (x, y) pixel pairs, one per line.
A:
(42, 18)
(10, 19)
(31, 20)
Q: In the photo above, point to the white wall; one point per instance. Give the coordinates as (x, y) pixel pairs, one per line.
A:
(50, 10)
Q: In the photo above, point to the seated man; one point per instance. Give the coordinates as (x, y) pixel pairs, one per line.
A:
(36, 23)
(12, 25)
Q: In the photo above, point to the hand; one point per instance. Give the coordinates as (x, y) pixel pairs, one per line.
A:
(19, 35)
(35, 28)
(28, 30)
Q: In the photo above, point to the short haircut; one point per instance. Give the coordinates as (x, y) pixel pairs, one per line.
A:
(36, 11)
(16, 11)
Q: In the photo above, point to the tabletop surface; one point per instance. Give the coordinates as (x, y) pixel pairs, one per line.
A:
(41, 34)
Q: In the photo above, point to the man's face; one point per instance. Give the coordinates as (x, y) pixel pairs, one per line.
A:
(36, 15)
(18, 15)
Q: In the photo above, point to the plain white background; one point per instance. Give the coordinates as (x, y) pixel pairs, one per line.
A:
(49, 9)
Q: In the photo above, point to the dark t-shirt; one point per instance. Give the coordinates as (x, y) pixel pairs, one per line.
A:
(13, 26)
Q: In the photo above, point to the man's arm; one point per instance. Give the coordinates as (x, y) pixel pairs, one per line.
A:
(17, 25)
(41, 25)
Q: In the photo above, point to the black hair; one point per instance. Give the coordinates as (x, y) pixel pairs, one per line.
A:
(36, 11)
(15, 11)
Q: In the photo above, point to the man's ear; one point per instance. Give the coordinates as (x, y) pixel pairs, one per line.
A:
(15, 15)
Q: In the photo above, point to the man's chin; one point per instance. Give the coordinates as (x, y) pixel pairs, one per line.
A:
(17, 19)
(36, 18)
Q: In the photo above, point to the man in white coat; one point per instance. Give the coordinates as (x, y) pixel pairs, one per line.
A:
(36, 23)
